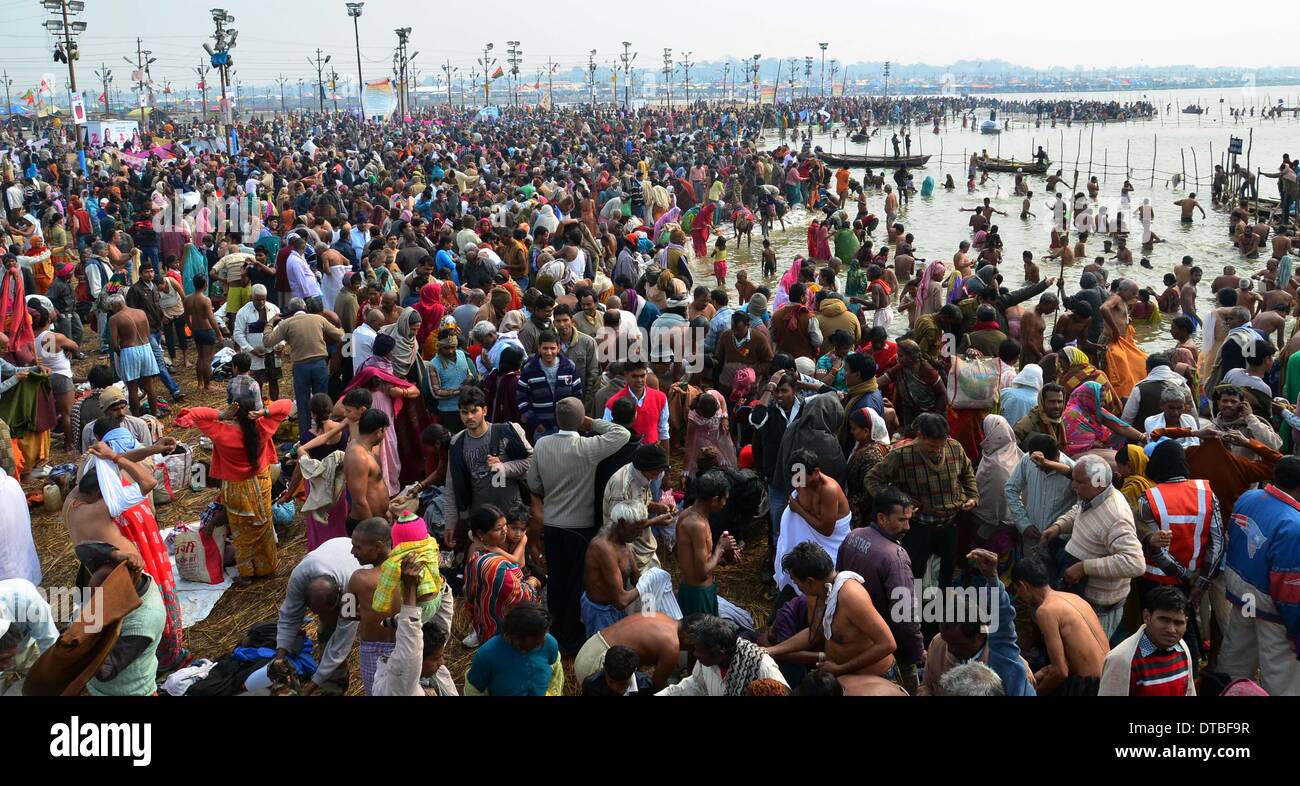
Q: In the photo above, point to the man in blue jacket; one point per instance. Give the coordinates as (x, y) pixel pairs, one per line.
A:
(546, 378)
(1262, 579)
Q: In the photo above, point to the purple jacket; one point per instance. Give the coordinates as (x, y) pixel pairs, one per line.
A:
(885, 567)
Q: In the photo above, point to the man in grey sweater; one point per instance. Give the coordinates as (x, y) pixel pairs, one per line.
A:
(318, 584)
(562, 473)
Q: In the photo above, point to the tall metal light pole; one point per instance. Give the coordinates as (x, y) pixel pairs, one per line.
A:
(822, 90)
(220, 53)
(686, 80)
(628, 57)
(451, 73)
(354, 11)
(807, 76)
(756, 58)
(668, 77)
(401, 63)
(887, 77)
(591, 75)
(201, 71)
(61, 25)
(514, 56)
(486, 62)
(105, 76)
(283, 106)
(320, 77)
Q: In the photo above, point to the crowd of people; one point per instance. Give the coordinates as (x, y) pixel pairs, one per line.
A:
(505, 387)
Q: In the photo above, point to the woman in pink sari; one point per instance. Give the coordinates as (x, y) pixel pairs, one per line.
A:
(931, 295)
(788, 280)
(388, 394)
(707, 425)
(700, 229)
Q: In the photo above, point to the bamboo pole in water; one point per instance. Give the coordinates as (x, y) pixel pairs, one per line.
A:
(1155, 141)
(1128, 171)
(1092, 134)
(1183, 156)
(1196, 170)
(1105, 163)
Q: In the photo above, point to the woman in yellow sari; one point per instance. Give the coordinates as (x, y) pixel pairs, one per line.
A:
(1077, 369)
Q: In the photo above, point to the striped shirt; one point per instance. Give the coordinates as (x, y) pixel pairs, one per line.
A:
(1158, 672)
(1037, 498)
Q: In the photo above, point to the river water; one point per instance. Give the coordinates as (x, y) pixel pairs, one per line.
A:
(1116, 148)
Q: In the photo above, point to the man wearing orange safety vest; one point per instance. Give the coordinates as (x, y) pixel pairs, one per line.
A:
(1181, 531)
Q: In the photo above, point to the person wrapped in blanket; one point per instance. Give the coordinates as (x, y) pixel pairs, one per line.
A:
(132, 666)
(108, 507)
(410, 537)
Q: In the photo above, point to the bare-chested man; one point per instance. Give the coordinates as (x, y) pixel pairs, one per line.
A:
(818, 499)
(1032, 326)
(852, 637)
(1025, 212)
(1081, 246)
(1271, 321)
(367, 488)
(1274, 298)
(610, 572)
(1123, 254)
(653, 637)
(904, 266)
(1188, 206)
(1032, 275)
(128, 335)
(1097, 267)
(1228, 280)
(207, 330)
(1187, 294)
(1248, 243)
(370, 545)
(1072, 635)
(389, 308)
(697, 555)
(1183, 270)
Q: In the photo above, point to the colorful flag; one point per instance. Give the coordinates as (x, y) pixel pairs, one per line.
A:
(537, 85)
(29, 97)
(497, 74)
(201, 85)
(103, 98)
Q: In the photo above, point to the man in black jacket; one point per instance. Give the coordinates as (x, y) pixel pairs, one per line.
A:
(776, 409)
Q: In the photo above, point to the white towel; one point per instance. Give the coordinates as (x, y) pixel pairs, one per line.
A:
(833, 598)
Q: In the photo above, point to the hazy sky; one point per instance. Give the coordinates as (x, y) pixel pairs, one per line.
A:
(276, 37)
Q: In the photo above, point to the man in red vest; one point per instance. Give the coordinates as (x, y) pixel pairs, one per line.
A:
(1180, 528)
(651, 405)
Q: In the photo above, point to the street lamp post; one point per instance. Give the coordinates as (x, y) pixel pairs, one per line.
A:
(61, 25)
(756, 59)
(225, 41)
(486, 62)
(320, 77)
(354, 11)
(822, 90)
(628, 57)
(591, 76)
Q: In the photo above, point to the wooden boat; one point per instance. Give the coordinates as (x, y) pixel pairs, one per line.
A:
(859, 138)
(1011, 165)
(1193, 110)
(990, 127)
(891, 162)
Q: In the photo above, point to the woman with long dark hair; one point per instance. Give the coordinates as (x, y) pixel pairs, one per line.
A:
(242, 453)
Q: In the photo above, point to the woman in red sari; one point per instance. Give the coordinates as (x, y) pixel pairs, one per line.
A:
(431, 310)
(700, 229)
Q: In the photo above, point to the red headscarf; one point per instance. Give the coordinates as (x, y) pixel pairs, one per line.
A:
(430, 309)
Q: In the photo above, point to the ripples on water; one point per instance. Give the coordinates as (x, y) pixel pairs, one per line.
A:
(939, 227)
